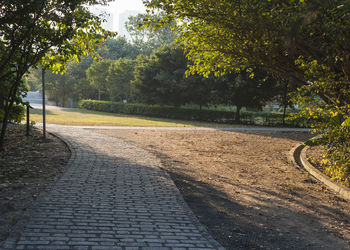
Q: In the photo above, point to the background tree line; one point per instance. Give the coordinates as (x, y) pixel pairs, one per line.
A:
(248, 51)
(151, 69)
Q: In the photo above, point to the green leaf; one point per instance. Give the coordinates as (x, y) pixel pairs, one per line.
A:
(346, 123)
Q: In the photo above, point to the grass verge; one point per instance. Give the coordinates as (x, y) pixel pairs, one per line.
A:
(84, 117)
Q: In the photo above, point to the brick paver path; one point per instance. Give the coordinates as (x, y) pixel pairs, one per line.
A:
(112, 196)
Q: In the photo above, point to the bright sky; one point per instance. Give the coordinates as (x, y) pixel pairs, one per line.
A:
(119, 6)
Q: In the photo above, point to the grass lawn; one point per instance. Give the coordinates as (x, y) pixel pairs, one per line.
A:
(90, 118)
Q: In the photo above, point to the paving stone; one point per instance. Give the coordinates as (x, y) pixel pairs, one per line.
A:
(113, 195)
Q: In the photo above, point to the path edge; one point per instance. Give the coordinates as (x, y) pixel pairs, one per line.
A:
(298, 155)
(15, 234)
(201, 228)
(179, 197)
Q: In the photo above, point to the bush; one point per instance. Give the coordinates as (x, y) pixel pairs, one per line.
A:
(16, 115)
(329, 117)
(247, 117)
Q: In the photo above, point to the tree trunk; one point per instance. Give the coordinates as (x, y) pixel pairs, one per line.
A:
(200, 106)
(7, 109)
(3, 130)
(284, 114)
(238, 114)
(285, 102)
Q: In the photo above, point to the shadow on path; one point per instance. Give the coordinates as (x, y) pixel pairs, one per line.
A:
(245, 230)
(112, 195)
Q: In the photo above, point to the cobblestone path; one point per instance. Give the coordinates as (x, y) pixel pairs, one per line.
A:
(112, 196)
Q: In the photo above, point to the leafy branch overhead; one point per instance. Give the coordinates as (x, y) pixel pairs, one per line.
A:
(306, 43)
(47, 32)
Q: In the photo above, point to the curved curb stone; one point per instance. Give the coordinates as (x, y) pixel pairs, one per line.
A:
(298, 155)
(112, 196)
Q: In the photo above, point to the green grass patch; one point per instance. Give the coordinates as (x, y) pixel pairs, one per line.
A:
(85, 117)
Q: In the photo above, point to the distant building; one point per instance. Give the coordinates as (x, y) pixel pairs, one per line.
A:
(34, 97)
(123, 18)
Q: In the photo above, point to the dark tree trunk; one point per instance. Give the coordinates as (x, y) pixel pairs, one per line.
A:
(238, 114)
(285, 102)
(7, 110)
(3, 130)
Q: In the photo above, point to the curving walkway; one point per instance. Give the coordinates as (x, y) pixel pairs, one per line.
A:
(112, 196)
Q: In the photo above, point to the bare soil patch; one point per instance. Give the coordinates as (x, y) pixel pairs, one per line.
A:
(244, 191)
(27, 165)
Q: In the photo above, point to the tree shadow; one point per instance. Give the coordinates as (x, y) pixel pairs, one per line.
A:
(238, 226)
(232, 223)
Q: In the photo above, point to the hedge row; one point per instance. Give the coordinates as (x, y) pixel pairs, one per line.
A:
(247, 117)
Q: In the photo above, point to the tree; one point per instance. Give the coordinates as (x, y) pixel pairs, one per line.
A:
(160, 78)
(118, 48)
(226, 35)
(76, 73)
(59, 88)
(119, 77)
(284, 88)
(97, 74)
(302, 41)
(71, 85)
(148, 39)
(332, 121)
(200, 90)
(48, 32)
(243, 90)
(305, 42)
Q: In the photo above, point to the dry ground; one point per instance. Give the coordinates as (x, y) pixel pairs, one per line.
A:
(27, 165)
(243, 190)
(239, 185)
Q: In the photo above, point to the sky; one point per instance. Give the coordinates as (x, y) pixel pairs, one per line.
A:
(118, 6)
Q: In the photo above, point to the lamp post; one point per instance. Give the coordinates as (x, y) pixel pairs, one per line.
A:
(44, 112)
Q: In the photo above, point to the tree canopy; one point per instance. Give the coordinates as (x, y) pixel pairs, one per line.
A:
(97, 74)
(148, 39)
(304, 42)
(241, 90)
(225, 35)
(118, 48)
(160, 78)
(119, 77)
(48, 32)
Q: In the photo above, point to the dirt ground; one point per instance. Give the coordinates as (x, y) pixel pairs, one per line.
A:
(239, 185)
(244, 191)
(27, 165)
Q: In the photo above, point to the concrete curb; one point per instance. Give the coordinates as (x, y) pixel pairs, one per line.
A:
(298, 155)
